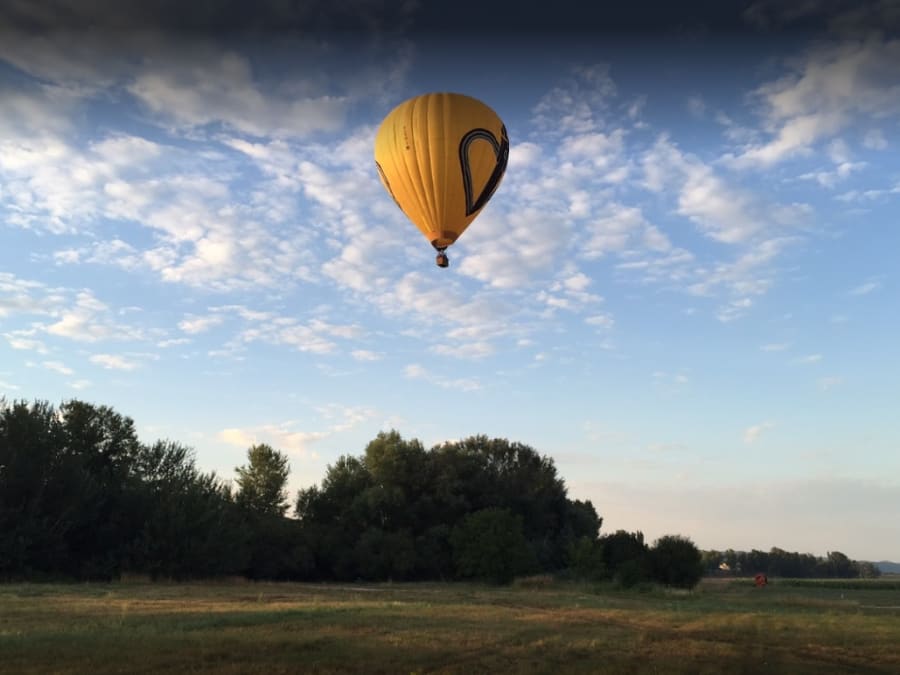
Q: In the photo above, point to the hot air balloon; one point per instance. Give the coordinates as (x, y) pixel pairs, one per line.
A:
(441, 156)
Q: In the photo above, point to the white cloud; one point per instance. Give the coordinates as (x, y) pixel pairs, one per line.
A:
(507, 251)
(671, 383)
(89, 320)
(523, 155)
(829, 383)
(696, 106)
(417, 372)
(574, 106)
(752, 434)
(750, 273)
(619, 228)
(465, 350)
(23, 295)
(220, 87)
(601, 320)
(58, 367)
(286, 437)
(172, 342)
(366, 355)
(569, 291)
(841, 156)
(113, 362)
(238, 437)
(723, 213)
(875, 140)
(734, 309)
(200, 324)
(809, 359)
(866, 288)
(315, 336)
(775, 347)
(17, 341)
(830, 86)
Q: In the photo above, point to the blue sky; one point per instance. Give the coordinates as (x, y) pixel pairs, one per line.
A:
(684, 290)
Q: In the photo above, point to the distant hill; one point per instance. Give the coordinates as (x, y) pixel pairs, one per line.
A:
(887, 567)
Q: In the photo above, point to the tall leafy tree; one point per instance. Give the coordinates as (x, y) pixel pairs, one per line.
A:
(490, 544)
(262, 481)
(676, 561)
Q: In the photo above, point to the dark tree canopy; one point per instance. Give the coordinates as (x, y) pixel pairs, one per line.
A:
(81, 497)
(262, 482)
(421, 497)
(676, 561)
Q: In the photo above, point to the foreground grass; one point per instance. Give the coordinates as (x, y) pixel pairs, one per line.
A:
(435, 628)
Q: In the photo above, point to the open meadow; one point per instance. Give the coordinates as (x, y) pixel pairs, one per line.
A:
(536, 626)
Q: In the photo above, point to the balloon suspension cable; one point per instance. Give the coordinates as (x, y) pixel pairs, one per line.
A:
(441, 259)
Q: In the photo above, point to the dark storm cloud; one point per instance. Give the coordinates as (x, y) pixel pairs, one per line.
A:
(709, 17)
(842, 17)
(482, 17)
(201, 17)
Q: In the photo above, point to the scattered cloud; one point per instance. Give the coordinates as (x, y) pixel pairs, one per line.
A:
(735, 309)
(200, 324)
(417, 372)
(866, 288)
(875, 140)
(58, 367)
(287, 437)
(752, 433)
(366, 355)
(829, 383)
(113, 362)
(833, 83)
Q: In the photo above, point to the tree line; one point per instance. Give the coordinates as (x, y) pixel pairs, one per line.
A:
(780, 563)
(81, 497)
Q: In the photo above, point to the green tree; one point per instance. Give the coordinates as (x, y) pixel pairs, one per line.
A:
(625, 555)
(587, 559)
(190, 526)
(838, 565)
(583, 519)
(335, 515)
(385, 554)
(868, 570)
(515, 476)
(37, 490)
(711, 561)
(676, 561)
(490, 545)
(262, 481)
(100, 448)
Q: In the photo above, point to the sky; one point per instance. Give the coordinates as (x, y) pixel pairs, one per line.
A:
(684, 290)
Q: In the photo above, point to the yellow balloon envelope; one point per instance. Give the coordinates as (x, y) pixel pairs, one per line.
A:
(441, 156)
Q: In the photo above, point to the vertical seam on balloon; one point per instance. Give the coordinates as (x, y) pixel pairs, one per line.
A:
(445, 173)
(431, 194)
(398, 157)
(416, 185)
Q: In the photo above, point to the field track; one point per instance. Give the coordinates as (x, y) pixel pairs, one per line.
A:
(535, 626)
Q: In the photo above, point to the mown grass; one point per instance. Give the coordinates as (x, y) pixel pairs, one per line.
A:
(546, 627)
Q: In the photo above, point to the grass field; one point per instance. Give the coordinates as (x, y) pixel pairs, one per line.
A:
(540, 627)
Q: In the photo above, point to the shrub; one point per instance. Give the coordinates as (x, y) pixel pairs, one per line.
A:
(676, 561)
